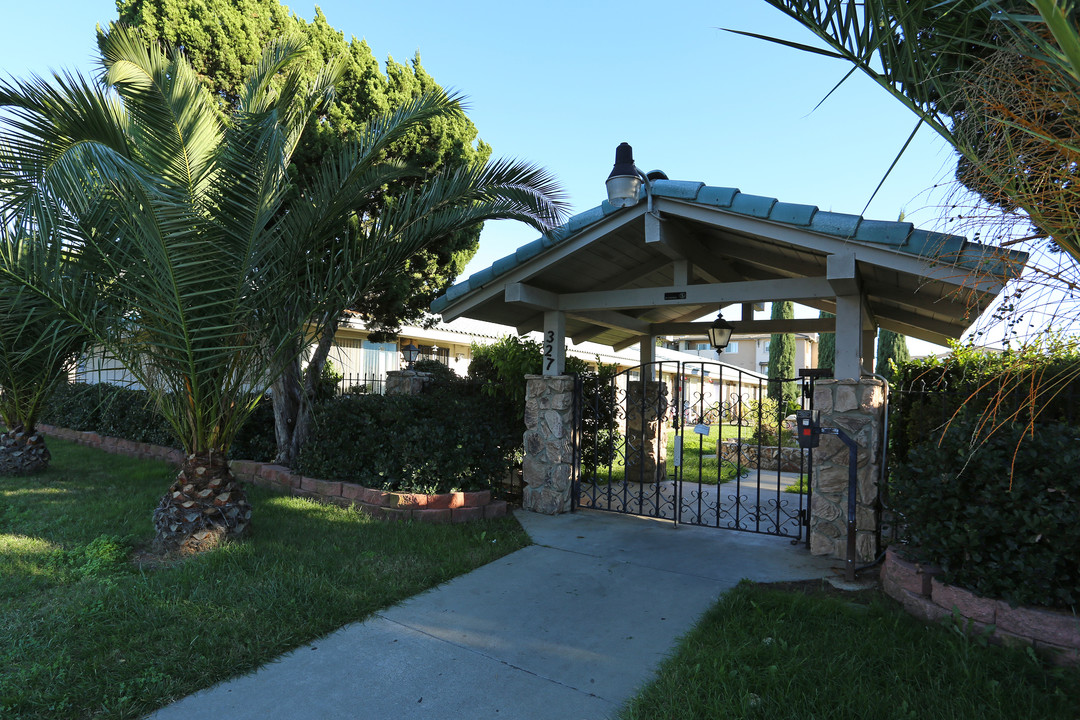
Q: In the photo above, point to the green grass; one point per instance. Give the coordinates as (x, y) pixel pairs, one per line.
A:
(86, 633)
(800, 486)
(763, 653)
(698, 451)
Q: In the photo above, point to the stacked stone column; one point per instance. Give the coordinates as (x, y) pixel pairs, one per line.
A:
(406, 382)
(857, 408)
(646, 441)
(549, 436)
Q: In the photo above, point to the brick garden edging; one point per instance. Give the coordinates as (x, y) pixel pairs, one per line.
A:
(916, 586)
(443, 508)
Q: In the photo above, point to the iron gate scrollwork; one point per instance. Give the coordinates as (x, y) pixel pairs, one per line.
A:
(697, 443)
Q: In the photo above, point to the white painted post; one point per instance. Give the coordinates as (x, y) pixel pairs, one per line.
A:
(554, 342)
(646, 356)
(849, 338)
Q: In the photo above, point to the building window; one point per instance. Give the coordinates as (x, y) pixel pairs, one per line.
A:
(427, 352)
(434, 352)
(732, 347)
(703, 346)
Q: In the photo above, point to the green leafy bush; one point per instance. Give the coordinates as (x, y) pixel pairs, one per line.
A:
(129, 414)
(1037, 384)
(109, 410)
(1015, 539)
(435, 442)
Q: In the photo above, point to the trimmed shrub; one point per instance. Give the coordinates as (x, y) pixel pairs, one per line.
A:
(1039, 384)
(110, 410)
(430, 443)
(129, 414)
(1016, 539)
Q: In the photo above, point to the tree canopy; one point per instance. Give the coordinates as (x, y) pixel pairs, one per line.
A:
(223, 40)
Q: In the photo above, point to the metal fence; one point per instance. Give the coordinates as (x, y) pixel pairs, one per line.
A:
(366, 384)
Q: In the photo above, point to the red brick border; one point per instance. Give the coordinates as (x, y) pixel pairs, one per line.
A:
(443, 508)
(1055, 633)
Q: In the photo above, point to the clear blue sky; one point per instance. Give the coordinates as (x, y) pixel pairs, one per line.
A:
(563, 83)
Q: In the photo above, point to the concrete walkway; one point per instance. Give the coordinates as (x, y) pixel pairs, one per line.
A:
(568, 628)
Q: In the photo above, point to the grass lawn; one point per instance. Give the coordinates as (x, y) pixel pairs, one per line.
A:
(699, 453)
(85, 632)
(765, 653)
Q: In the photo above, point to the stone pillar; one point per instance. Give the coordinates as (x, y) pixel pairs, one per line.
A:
(549, 436)
(646, 431)
(857, 408)
(406, 382)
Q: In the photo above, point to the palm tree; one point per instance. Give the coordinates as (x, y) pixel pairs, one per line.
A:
(37, 346)
(212, 266)
(999, 80)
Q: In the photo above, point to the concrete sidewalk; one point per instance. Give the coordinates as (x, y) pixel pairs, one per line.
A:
(567, 628)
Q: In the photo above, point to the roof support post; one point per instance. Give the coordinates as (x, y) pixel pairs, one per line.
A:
(849, 337)
(554, 342)
(646, 355)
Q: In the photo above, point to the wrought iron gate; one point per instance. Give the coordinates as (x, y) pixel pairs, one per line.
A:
(697, 443)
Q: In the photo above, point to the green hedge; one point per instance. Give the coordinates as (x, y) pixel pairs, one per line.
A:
(1040, 384)
(108, 410)
(129, 414)
(1016, 539)
(452, 437)
(427, 443)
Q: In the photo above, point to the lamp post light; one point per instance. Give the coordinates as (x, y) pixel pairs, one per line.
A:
(410, 353)
(720, 332)
(625, 181)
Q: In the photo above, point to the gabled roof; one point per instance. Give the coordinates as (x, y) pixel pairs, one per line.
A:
(921, 283)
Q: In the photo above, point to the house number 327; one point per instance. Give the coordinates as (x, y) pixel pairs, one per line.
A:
(549, 350)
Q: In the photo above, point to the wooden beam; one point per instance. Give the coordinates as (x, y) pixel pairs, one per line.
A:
(549, 256)
(754, 327)
(613, 320)
(530, 296)
(929, 330)
(714, 294)
(673, 240)
(842, 274)
(944, 271)
(588, 334)
(535, 322)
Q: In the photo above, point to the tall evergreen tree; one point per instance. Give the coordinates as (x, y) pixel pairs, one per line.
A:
(782, 356)
(892, 350)
(826, 357)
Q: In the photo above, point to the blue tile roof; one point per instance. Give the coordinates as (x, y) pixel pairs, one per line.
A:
(901, 236)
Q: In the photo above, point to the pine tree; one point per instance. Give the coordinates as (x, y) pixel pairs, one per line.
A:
(782, 357)
(826, 346)
(892, 350)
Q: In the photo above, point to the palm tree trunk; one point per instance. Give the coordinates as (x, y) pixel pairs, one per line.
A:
(23, 452)
(293, 393)
(205, 506)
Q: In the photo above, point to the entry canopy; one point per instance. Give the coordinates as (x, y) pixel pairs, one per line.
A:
(618, 276)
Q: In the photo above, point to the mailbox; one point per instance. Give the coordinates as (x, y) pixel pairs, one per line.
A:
(807, 429)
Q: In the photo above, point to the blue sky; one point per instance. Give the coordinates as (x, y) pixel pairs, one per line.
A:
(562, 85)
